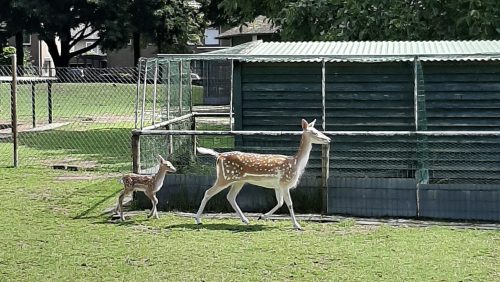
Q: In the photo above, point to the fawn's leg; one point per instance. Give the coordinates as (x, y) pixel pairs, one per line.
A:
(231, 197)
(151, 198)
(126, 191)
(155, 206)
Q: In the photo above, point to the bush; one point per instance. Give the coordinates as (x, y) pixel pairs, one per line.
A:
(5, 55)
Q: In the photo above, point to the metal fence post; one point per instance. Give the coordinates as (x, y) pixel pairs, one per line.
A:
(33, 100)
(325, 149)
(13, 97)
(49, 100)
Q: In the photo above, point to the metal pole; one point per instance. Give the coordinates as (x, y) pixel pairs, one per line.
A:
(325, 149)
(415, 92)
(231, 124)
(33, 107)
(169, 127)
(144, 93)
(155, 77)
(13, 97)
(137, 94)
(323, 94)
(168, 91)
(180, 88)
(49, 99)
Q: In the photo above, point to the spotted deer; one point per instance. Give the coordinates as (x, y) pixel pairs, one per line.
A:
(277, 172)
(149, 184)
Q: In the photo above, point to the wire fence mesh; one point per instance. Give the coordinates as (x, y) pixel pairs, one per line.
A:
(457, 159)
(76, 119)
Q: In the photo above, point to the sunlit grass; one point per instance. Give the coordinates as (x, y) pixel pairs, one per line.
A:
(52, 228)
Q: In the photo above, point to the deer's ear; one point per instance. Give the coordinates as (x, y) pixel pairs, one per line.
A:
(304, 124)
(160, 158)
(312, 123)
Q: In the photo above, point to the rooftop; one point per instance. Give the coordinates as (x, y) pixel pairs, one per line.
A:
(260, 25)
(363, 51)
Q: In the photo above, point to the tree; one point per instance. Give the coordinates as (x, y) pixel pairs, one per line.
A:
(171, 25)
(61, 24)
(373, 19)
(15, 22)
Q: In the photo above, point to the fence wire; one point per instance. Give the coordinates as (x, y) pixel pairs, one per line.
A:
(433, 159)
(75, 119)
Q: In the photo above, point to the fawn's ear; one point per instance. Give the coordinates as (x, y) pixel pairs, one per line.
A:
(160, 158)
(312, 123)
(304, 124)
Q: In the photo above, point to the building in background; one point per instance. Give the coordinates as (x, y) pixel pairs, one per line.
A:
(261, 28)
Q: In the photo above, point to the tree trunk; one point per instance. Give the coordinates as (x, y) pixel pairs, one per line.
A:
(136, 42)
(19, 48)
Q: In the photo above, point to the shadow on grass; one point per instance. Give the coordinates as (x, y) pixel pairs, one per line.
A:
(83, 215)
(221, 227)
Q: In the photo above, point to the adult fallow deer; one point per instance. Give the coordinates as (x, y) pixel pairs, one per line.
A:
(277, 172)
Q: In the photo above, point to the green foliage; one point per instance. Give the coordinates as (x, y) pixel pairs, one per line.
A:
(62, 24)
(376, 20)
(5, 56)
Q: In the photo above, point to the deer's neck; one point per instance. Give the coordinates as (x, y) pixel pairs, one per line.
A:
(302, 156)
(159, 177)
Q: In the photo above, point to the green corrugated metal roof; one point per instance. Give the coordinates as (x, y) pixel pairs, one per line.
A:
(366, 51)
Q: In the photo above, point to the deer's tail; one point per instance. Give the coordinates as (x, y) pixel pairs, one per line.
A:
(206, 151)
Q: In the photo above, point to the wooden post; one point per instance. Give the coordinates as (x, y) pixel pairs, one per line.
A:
(13, 97)
(49, 99)
(136, 153)
(325, 174)
(33, 107)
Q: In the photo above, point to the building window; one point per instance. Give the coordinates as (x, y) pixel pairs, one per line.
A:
(210, 36)
(26, 39)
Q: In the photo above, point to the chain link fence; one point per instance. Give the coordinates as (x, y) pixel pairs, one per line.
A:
(455, 158)
(75, 118)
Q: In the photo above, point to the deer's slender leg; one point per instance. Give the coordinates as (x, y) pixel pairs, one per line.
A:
(150, 196)
(288, 201)
(212, 191)
(155, 206)
(119, 207)
(231, 197)
(279, 199)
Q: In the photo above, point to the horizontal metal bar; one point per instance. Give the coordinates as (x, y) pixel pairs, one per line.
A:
(167, 122)
(330, 133)
(198, 114)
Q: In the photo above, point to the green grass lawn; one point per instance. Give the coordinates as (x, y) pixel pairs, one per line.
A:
(52, 229)
(70, 100)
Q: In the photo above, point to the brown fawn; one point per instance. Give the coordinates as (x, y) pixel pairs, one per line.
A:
(277, 172)
(149, 184)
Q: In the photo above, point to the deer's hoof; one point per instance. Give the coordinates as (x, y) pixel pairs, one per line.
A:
(245, 221)
(198, 221)
(298, 228)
